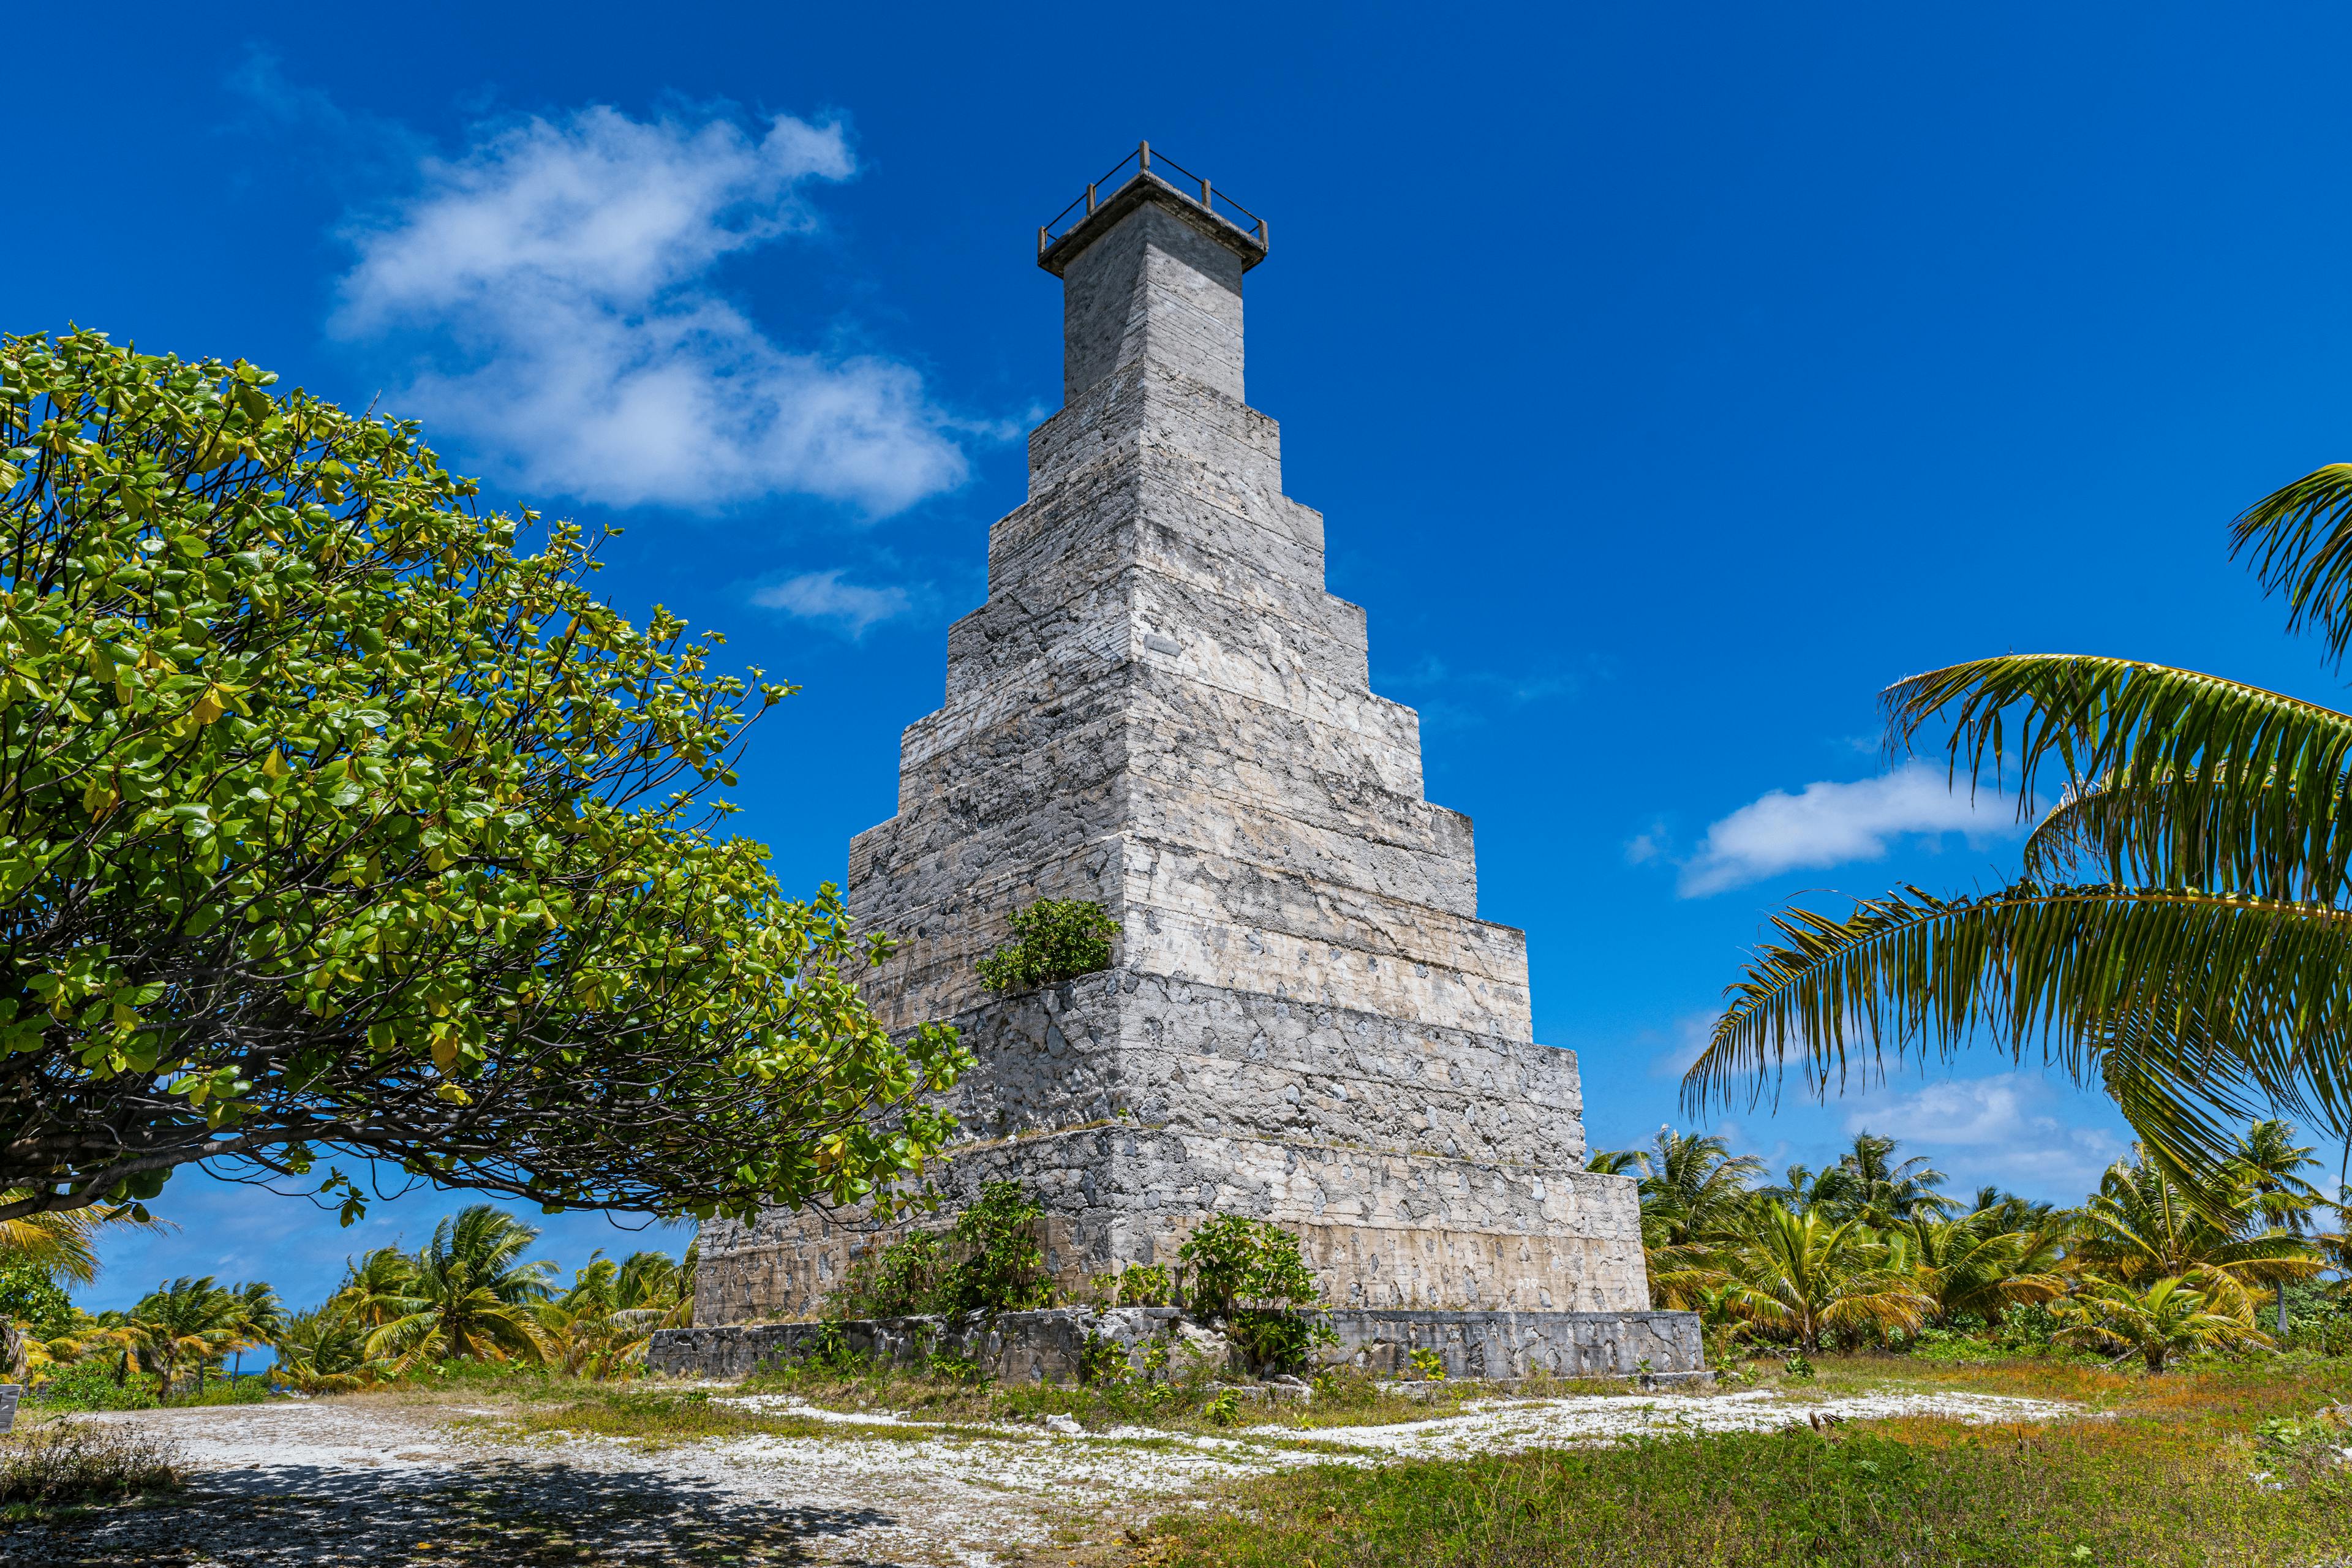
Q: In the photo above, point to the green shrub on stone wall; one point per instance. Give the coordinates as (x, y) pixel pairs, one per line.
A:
(1253, 1276)
(1054, 939)
(990, 1261)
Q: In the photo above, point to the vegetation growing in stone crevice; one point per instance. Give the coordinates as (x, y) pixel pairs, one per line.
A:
(1054, 939)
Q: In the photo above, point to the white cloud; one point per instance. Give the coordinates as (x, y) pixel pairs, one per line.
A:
(1997, 1133)
(1830, 823)
(555, 281)
(823, 596)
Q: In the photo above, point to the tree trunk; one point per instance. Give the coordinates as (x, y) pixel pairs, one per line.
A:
(15, 1364)
(2155, 1355)
(2281, 1314)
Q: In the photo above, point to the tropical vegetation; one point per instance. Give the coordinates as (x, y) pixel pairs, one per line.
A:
(1870, 1250)
(468, 1298)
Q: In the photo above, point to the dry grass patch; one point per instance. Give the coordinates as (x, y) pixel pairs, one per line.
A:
(61, 1462)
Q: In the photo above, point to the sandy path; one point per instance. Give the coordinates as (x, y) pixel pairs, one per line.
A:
(377, 1481)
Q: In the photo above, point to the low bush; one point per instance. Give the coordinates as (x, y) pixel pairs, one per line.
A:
(90, 1385)
(59, 1461)
(1253, 1276)
(989, 1261)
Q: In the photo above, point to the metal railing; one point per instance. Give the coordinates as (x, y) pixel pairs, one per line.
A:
(1146, 163)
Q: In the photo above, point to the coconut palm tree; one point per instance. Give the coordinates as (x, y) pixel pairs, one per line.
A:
(1804, 1274)
(2140, 1225)
(1882, 1193)
(605, 1323)
(259, 1317)
(1694, 1193)
(2271, 1163)
(324, 1350)
(2180, 933)
(188, 1320)
(1802, 1190)
(1976, 1266)
(2170, 1318)
(470, 1297)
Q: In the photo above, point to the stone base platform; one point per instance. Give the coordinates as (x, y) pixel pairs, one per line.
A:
(1050, 1346)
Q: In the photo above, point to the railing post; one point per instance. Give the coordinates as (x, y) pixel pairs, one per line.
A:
(1090, 198)
(1143, 153)
(1204, 194)
(1262, 241)
(1041, 241)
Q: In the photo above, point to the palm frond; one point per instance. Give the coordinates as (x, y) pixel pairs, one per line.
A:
(2207, 783)
(2190, 1007)
(2159, 834)
(2300, 537)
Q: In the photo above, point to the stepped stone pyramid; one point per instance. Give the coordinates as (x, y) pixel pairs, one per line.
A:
(1159, 707)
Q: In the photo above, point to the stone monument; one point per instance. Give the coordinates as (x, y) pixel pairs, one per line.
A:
(1161, 709)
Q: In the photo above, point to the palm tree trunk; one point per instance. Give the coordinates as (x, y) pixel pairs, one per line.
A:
(2281, 1314)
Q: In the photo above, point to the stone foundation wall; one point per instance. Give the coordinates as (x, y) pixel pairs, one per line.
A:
(1422, 1167)
(1049, 1346)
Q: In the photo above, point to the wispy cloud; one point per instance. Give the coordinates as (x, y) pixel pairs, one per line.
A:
(554, 284)
(823, 596)
(1995, 1130)
(1830, 823)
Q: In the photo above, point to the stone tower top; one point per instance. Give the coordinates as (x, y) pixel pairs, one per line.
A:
(1151, 272)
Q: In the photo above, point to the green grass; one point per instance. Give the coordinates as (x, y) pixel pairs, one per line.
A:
(2166, 1479)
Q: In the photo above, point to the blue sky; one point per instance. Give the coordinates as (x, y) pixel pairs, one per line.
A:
(1671, 378)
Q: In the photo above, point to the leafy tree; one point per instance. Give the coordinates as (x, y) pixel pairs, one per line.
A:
(1254, 1276)
(999, 1260)
(1806, 1275)
(2181, 931)
(2169, 1319)
(32, 1303)
(1054, 939)
(336, 822)
(468, 1295)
